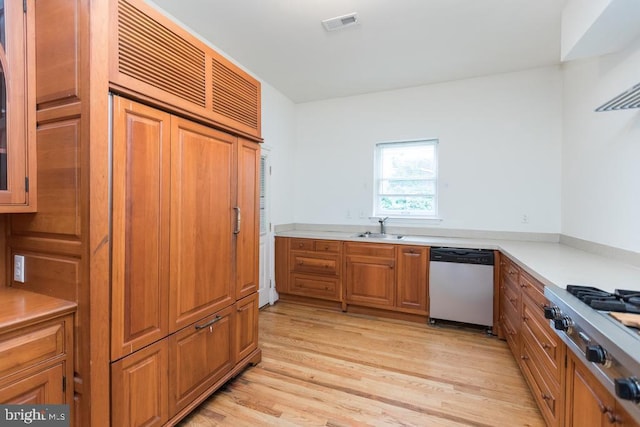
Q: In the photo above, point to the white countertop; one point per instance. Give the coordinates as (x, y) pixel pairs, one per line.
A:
(553, 264)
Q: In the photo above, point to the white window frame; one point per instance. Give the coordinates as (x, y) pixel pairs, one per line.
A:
(407, 214)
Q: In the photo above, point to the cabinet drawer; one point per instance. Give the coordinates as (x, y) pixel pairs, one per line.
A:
(545, 344)
(302, 244)
(546, 392)
(327, 246)
(199, 355)
(509, 271)
(29, 346)
(511, 299)
(310, 263)
(511, 335)
(370, 249)
(534, 289)
(316, 286)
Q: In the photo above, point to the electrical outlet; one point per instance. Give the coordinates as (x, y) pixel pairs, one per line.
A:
(525, 219)
(18, 268)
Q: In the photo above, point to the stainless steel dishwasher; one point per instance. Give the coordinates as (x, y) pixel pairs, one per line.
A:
(461, 286)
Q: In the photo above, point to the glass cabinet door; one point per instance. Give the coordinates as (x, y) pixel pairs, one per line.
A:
(14, 104)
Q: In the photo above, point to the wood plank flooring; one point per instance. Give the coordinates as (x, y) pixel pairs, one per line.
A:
(326, 368)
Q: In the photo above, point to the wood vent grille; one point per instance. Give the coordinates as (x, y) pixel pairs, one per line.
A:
(151, 53)
(234, 96)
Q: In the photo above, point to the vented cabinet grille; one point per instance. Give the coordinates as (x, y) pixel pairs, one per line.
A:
(233, 96)
(151, 53)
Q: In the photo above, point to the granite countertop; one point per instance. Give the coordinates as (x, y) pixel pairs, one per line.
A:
(553, 264)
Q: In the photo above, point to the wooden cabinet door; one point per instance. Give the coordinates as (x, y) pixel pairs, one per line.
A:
(17, 108)
(140, 236)
(370, 281)
(413, 264)
(246, 326)
(39, 388)
(247, 228)
(200, 355)
(139, 390)
(202, 200)
(588, 403)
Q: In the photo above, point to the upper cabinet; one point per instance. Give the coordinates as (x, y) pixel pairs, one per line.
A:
(154, 60)
(17, 107)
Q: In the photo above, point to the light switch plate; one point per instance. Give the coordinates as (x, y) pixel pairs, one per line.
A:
(18, 268)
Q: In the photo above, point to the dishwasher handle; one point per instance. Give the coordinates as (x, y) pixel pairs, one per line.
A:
(462, 256)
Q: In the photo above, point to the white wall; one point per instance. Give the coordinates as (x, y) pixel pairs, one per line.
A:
(601, 152)
(499, 153)
(278, 131)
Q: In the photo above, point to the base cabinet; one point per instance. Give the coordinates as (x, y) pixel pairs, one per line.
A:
(370, 274)
(199, 356)
(246, 326)
(588, 403)
(139, 387)
(36, 360)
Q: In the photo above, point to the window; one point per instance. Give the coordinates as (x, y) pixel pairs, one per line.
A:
(406, 179)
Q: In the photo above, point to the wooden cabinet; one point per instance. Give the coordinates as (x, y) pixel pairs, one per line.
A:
(370, 275)
(139, 387)
(314, 269)
(140, 243)
(413, 272)
(203, 194)
(17, 108)
(182, 254)
(246, 326)
(199, 356)
(36, 342)
(588, 403)
(153, 56)
(538, 350)
(75, 244)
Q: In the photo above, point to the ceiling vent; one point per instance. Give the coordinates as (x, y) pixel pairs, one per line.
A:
(340, 22)
(628, 99)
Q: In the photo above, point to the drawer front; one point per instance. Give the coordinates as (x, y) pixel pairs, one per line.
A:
(370, 249)
(545, 391)
(332, 246)
(29, 346)
(509, 271)
(546, 345)
(511, 299)
(315, 286)
(199, 355)
(511, 335)
(302, 244)
(534, 290)
(310, 263)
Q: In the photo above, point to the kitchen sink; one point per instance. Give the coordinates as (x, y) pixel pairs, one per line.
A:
(370, 235)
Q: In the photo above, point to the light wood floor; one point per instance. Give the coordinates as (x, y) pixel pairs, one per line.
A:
(325, 368)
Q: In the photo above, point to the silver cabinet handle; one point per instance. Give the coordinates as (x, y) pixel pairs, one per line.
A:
(238, 219)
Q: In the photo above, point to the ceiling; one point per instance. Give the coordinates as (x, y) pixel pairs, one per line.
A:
(397, 43)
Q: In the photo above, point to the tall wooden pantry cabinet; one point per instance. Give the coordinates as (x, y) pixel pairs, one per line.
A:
(147, 143)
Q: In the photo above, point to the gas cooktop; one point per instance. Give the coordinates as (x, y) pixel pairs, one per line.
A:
(622, 301)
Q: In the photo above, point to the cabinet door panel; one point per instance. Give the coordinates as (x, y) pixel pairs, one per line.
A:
(200, 355)
(587, 400)
(139, 388)
(412, 278)
(140, 275)
(202, 194)
(370, 281)
(248, 233)
(43, 387)
(246, 326)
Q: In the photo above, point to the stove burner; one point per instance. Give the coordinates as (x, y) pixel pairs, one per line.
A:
(623, 301)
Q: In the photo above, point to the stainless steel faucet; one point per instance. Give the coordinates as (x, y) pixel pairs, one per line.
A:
(382, 221)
